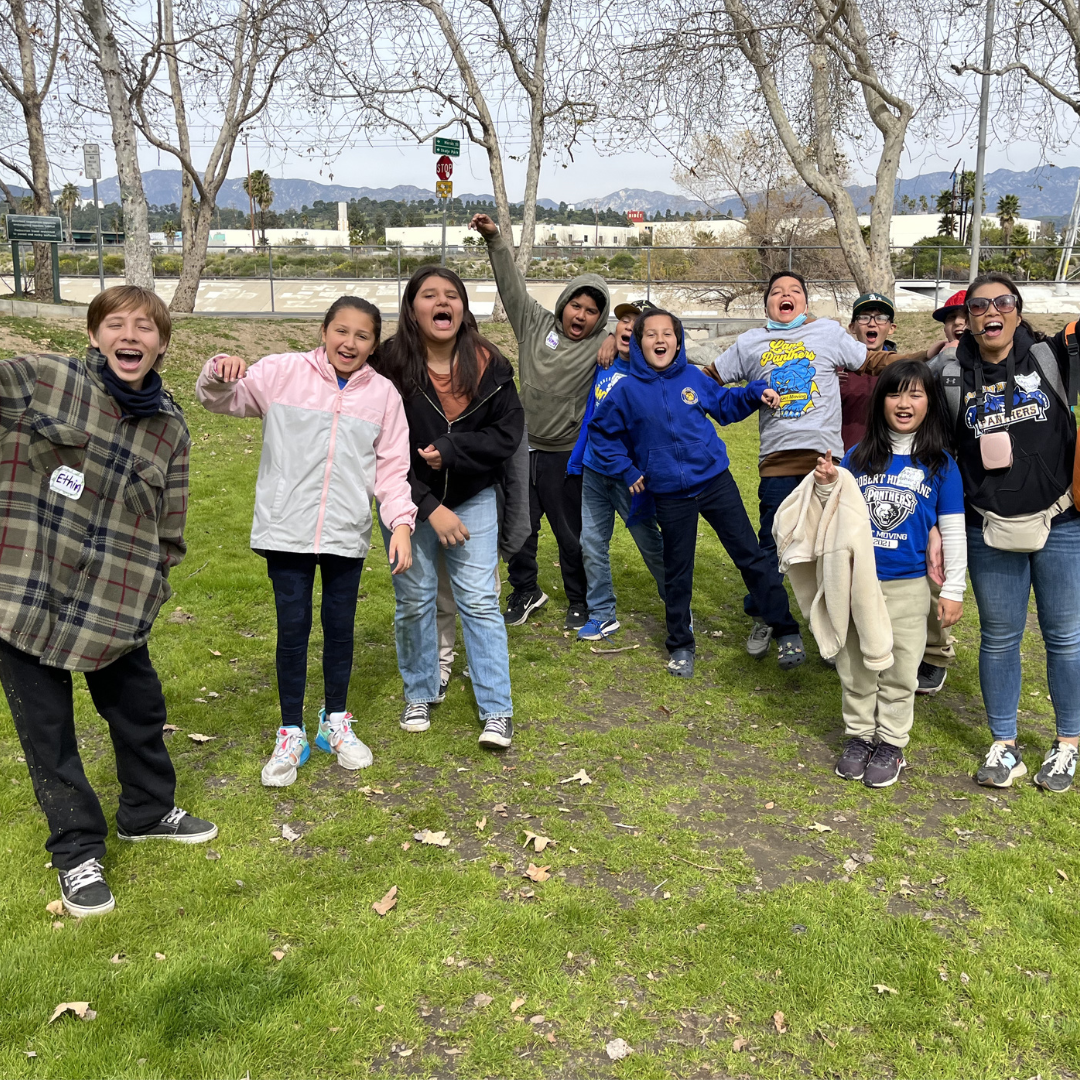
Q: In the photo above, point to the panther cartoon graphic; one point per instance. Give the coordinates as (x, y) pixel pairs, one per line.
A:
(889, 507)
(794, 382)
(1029, 403)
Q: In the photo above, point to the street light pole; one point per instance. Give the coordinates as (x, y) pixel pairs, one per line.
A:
(251, 200)
(980, 161)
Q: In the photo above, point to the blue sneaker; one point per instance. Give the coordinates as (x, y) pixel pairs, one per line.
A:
(1001, 767)
(595, 630)
(336, 737)
(290, 752)
(1058, 767)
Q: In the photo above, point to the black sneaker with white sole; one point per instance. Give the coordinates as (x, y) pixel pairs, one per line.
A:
(521, 605)
(84, 890)
(1058, 767)
(575, 619)
(498, 731)
(931, 678)
(852, 763)
(885, 766)
(176, 825)
(415, 717)
(1001, 767)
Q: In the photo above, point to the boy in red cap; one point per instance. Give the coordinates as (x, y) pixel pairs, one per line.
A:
(953, 316)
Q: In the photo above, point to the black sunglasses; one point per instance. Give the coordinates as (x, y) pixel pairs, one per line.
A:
(979, 305)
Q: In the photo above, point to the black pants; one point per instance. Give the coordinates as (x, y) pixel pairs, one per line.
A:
(293, 578)
(128, 696)
(721, 506)
(553, 493)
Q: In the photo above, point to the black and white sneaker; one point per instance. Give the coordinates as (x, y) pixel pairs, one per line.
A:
(444, 685)
(84, 890)
(1058, 767)
(575, 619)
(885, 766)
(1002, 766)
(851, 765)
(521, 605)
(176, 825)
(416, 716)
(931, 678)
(498, 731)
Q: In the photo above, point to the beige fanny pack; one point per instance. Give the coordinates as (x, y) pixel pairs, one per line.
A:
(1026, 532)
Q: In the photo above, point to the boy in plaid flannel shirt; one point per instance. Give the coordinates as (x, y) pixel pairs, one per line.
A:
(93, 497)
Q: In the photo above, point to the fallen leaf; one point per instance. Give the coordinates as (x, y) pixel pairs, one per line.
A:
(617, 1049)
(404, 1053)
(212, 855)
(965, 978)
(550, 1036)
(538, 1019)
(769, 805)
(201, 701)
(77, 1008)
(1061, 874)
(58, 926)
(739, 1044)
(937, 880)
(159, 956)
(169, 727)
(500, 808)
(406, 846)
(826, 1040)
(481, 825)
(881, 988)
(30, 1053)
(516, 1004)
(214, 652)
(538, 842)
(55, 907)
(452, 1050)
(439, 839)
(387, 902)
(482, 1001)
(194, 736)
(581, 776)
(818, 827)
(778, 1022)
(537, 873)
(289, 833)
(850, 866)
(179, 615)
(278, 954)
(379, 1008)
(117, 958)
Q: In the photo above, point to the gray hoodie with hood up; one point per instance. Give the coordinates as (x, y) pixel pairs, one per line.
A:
(555, 372)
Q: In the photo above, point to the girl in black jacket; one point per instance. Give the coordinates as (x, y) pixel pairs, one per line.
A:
(465, 423)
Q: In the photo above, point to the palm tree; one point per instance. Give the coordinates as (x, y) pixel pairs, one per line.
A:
(169, 229)
(257, 186)
(68, 200)
(1008, 210)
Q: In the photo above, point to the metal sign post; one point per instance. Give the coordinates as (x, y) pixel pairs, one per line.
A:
(444, 189)
(92, 172)
(37, 230)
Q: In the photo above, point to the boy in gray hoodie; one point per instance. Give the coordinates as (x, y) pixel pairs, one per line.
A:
(556, 366)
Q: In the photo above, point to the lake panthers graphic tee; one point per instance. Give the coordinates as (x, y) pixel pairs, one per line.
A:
(801, 366)
(905, 502)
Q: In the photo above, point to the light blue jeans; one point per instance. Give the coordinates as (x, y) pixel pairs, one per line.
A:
(1002, 581)
(601, 497)
(472, 567)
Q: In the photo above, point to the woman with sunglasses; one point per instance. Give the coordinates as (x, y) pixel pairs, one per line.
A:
(1015, 443)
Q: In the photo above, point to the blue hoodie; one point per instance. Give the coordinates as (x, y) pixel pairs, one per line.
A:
(662, 418)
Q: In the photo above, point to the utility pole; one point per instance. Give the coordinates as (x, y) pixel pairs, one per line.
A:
(251, 200)
(980, 161)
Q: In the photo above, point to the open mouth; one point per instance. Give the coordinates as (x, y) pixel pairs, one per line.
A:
(993, 327)
(129, 359)
(346, 354)
(624, 339)
(660, 351)
(787, 307)
(442, 320)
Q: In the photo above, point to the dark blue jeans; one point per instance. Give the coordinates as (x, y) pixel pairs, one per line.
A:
(293, 578)
(721, 506)
(771, 492)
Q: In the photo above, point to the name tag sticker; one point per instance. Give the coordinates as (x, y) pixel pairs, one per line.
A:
(552, 340)
(68, 482)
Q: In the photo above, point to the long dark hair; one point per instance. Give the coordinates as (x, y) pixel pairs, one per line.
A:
(874, 451)
(403, 359)
(361, 305)
(996, 277)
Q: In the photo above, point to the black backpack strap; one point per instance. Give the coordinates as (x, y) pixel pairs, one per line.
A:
(1072, 342)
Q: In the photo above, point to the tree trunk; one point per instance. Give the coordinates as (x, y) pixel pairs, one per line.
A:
(187, 288)
(138, 262)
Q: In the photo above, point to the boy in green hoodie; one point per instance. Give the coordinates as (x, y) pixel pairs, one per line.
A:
(556, 366)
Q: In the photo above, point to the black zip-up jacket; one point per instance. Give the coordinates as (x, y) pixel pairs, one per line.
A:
(474, 447)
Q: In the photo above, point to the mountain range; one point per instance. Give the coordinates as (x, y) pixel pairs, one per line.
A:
(1044, 191)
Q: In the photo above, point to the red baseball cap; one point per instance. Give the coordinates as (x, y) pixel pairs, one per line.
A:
(951, 306)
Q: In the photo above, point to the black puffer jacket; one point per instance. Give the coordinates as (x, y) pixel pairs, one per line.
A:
(475, 447)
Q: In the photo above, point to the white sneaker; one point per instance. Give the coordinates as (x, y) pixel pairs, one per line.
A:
(290, 752)
(336, 737)
(757, 644)
(415, 717)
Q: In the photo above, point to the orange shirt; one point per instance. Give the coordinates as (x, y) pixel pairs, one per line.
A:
(453, 403)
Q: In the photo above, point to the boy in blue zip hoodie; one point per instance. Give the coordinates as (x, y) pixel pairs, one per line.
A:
(654, 431)
(603, 495)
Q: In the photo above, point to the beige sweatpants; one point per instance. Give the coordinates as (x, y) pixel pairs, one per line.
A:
(940, 650)
(882, 703)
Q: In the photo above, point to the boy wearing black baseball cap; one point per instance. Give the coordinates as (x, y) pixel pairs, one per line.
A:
(873, 320)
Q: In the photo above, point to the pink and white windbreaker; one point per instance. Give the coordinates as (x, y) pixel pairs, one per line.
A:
(326, 451)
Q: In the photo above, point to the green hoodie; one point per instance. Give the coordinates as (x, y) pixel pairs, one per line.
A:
(555, 372)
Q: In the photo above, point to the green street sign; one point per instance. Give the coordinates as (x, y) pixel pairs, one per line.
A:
(447, 146)
(32, 227)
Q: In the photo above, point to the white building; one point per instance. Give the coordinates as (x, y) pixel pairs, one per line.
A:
(683, 233)
(907, 229)
(241, 238)
(544, 233)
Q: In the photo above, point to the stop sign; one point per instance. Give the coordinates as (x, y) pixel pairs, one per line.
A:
(444, 168)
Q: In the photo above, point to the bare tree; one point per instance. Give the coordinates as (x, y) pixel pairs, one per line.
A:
(217, 65)
(138, 264)
(27, 76)
(481, 67)
(824, 74)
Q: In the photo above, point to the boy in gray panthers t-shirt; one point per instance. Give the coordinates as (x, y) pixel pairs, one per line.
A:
(800, 357)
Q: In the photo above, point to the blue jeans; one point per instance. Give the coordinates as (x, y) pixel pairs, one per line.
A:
(601, 497)
(471, 567)
(1002, 581)
(772, 491)
(293, 577)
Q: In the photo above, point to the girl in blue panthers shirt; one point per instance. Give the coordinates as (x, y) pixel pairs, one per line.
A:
(909, 483)
(654, 431)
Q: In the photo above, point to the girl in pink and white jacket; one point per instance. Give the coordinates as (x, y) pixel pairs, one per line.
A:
(334, 435)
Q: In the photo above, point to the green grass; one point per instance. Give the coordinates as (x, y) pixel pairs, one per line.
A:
(717, 908)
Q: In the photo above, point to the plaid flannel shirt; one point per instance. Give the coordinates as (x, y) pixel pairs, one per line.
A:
(84, 559)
